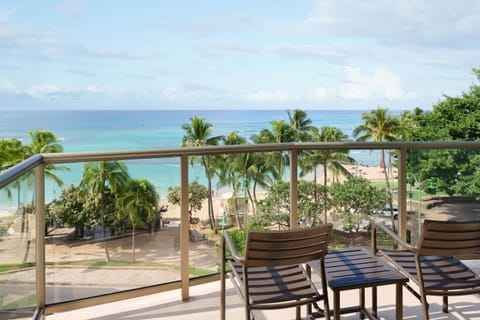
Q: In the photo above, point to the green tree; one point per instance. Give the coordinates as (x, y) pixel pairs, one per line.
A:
(198, 133)
(44, 141)
(276, 205)
(68, 209)
(197, 193)
(280, 132)
(237, 171)
(301, 125)
(102, 179)
(11, 152)
(139, 203)
(355, 201)
(265, 172)
(331, 160)
(378, 125)
(453, 118)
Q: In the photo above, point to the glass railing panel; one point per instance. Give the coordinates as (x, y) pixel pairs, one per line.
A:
(17, 248)
(356, 186)
(113, 235)
(442, 185)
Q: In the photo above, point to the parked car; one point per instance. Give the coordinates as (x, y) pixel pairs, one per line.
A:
(386, 211)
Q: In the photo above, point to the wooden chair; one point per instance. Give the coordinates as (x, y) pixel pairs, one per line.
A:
(273, 273)
(434, 265)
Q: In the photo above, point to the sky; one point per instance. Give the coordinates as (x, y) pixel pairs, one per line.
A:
(269, 54)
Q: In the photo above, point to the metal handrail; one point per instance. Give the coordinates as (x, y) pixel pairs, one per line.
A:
(68, 157)
(11, 174)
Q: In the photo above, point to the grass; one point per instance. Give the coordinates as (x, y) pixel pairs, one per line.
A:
(113, 263)
(27, 301)
(102, 263)
(10, 267)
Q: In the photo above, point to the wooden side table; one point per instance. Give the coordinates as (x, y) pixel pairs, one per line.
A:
(356, 268)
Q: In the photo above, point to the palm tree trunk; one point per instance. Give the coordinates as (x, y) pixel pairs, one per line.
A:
(387, 183)
(251, 200)
(133, 243)
(325, 172)
(211, 214)
(104, 238)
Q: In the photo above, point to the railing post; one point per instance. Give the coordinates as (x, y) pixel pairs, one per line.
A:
(40, 237)
(184, 224)
(293, 189)
(402, 193)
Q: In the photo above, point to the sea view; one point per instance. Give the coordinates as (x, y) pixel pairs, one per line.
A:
(102, 130)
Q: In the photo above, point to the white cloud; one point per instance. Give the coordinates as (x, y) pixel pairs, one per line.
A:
(50, 92)
(266, 96)
(170, 93)
(319, 93)
(42, 90)
(9, 87)
(381, 83)
(424, 23)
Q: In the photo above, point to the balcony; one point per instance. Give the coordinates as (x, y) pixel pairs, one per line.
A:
(52, 277)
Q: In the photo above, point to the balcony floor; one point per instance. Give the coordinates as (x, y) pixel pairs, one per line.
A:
(204, 304)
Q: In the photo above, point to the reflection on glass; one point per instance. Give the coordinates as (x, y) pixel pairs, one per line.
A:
(17, 247)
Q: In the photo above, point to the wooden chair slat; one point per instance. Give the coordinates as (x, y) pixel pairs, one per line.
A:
(272, 274)
(433, 265)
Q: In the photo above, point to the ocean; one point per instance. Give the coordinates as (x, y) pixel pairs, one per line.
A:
(108, 130)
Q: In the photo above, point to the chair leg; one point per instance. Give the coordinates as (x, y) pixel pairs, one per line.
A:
(222, 297)
(326, 305)
(426, 316)
(298, 313)
(445, 304)
(222, 282)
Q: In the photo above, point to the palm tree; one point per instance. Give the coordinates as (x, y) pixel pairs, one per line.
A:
(379, 126)
(44, 141)
(140, 204)
(100, 179)
(12, 151)
(332, 161)
(230, 174)
(301, 125)
(198, 134)
(280, 132)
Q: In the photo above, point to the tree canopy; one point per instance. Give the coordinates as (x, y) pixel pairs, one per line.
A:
(451, 119)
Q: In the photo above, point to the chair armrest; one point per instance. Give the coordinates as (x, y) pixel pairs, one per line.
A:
(232, 248)
(395, 237)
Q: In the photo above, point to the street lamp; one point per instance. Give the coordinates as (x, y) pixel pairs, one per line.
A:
(411, 180)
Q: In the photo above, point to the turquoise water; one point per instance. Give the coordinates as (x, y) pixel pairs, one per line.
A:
(100, 130)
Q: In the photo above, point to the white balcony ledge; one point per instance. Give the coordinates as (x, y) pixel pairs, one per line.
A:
(204, 304)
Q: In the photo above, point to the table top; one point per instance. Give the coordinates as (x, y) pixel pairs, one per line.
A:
(354, 268)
